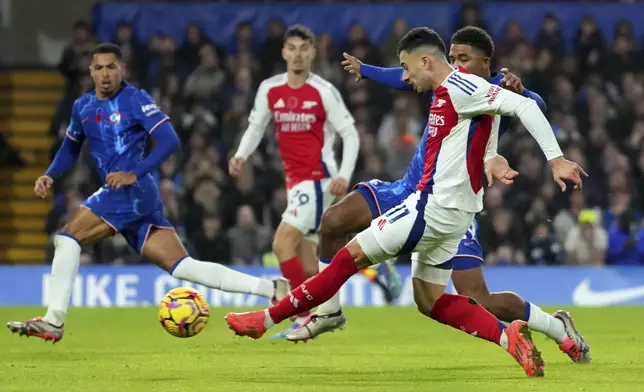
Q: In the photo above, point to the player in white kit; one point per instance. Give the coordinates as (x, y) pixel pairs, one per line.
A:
(308, 112)
(432, 221)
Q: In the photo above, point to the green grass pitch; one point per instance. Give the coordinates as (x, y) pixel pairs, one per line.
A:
(382, 349)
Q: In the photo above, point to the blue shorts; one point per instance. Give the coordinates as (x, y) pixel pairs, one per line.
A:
(382, 196)
(131, 211)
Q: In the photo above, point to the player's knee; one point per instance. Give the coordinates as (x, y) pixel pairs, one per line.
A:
(310, 269)
(286, 242)
(479, 294)
(332, 222)
(423, 303)
(64, 239)
(425, 307)
(75, 232)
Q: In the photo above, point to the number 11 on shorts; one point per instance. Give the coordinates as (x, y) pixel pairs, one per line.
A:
(397, 213)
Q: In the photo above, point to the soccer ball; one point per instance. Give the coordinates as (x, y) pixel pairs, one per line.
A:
(183, 312)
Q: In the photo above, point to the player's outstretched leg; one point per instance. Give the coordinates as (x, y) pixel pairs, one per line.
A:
(351, 215)
(469, 280)
(164, 248)
(287, 246)
(307, 252)
(465, 314)
(84, 228)
(308, 295)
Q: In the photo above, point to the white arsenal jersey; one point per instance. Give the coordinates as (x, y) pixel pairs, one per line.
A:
(463, 127)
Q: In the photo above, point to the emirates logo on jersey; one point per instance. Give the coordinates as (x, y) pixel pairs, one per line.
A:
(436, 120)
(294, 122)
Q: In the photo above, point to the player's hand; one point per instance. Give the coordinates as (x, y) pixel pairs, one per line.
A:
(352, 65)
(236, 165)
(498, 168)
(339, 186)
(511, 81)
(43, 183)
(119, 179)
(563, 169)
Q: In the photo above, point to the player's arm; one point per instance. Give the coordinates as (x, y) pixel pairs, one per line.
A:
(69, 151)
(496, 167)
(473, 96)
(258, 119)
(343, 123)
(391, 77)
(513, 83)
(536, 98)
(158, 126)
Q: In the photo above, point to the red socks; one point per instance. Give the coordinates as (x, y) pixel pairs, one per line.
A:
(293, 270)
(317, 289)
(465, 314)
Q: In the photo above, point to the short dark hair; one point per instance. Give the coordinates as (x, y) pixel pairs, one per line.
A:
(420, 36)
(475, 37)
(300, 31)
(108, 47)
(82, 25)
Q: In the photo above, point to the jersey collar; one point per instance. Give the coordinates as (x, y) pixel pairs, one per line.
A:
(124, 85)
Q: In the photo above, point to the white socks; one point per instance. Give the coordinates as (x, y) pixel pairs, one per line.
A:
(503, 341)
(61, 282)
(268, 321)
(219, 277)
(545, 323)
(333, 304)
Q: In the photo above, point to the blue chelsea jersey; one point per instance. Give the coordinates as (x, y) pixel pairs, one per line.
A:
(415, 170)
(116, 128)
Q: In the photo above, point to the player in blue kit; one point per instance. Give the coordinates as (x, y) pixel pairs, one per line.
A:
(472, 49)
(116, 119)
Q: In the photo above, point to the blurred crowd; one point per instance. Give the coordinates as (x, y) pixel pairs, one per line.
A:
(595, 98)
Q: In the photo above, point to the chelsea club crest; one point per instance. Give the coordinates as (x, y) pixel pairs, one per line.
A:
(115, 117)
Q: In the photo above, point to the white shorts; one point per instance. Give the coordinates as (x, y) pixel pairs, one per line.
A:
(306, 203)
(418, 225)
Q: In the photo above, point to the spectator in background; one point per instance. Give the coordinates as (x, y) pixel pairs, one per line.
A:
(544, 248)
(470, 15)
(326, 63)
(388, 47)
(271, 56)
(162, 61)
(513, 37)
(273, 212)
(74, 66)
(248, 239)
(211, 243)
(398, 122)
(133, 52)
(586, 243)
(170, 199)
(242, 192)
(566, 219)
(550, 37)
(207, 80)
(190, 50)
(244, 39)
(623, 59)
(625, 241)
(359, 45)
(401, 151)
(590, 45)
(504, 239)
(204, 200)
